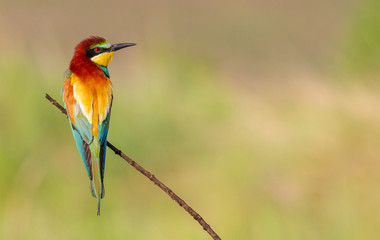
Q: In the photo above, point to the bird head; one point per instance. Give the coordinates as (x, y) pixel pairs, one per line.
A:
(99, 51)
(96, 50)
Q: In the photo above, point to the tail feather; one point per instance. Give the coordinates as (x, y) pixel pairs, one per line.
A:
(103, 191)
(98, 213)
(97, 187)
(92, 190)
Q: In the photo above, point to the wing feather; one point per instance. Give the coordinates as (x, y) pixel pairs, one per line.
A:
(81, 127)
(103, 132)
(80, 114)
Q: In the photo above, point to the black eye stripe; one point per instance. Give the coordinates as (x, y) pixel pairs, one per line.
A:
(91, 52)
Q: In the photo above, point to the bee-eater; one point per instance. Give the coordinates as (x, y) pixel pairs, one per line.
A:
(87, 94)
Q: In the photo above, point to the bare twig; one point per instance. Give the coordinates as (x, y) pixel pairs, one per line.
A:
(151, 177)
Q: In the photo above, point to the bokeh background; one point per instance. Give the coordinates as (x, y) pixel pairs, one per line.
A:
(263, 115)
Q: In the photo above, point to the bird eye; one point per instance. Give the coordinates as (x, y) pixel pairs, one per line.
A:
(97, 50)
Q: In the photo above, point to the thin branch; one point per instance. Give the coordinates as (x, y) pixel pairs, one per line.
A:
(151, 177)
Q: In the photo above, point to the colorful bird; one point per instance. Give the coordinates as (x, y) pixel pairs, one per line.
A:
(87, 94)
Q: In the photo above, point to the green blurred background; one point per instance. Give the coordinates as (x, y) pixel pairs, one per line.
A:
(263, 115)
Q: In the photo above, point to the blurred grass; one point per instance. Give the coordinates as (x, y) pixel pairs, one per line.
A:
(262, 150)
(361, 51)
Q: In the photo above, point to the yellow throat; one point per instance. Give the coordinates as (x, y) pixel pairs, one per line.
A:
(103, 59)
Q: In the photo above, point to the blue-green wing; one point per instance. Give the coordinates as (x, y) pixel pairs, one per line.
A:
(83, 137)
(103, 131)
(82, 131)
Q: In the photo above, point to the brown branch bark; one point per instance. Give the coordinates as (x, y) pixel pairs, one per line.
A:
(151, 177)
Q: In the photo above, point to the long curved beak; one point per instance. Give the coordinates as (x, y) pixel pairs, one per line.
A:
(118, 46)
